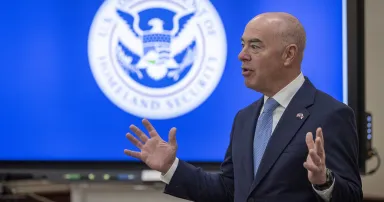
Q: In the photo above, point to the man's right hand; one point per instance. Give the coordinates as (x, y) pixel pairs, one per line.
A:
(154, 151)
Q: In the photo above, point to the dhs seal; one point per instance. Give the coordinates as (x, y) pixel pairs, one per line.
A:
(157, 59)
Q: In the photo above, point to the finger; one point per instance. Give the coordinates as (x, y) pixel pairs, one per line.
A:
(139, 133)
(309, 141)
(319, 147)
(172, 137)
(134, 141)
(315, 158)
(132, 153)
(319, 134)
(311, 167)
(151, 130)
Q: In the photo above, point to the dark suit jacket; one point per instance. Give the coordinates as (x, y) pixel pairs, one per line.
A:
(281, 176)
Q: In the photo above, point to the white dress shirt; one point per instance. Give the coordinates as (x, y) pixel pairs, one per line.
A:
(283, 97)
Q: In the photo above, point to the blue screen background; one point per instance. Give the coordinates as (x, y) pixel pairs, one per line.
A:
(52, 108)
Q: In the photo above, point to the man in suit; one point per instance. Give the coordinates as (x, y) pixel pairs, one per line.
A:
(295, 144)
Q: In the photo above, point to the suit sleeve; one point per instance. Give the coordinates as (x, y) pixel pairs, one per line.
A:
(193, 183)
(341, 144)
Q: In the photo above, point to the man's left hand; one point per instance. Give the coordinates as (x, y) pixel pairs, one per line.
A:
(315, 163)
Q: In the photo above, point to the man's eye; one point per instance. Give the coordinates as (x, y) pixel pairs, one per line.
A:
(255, 47)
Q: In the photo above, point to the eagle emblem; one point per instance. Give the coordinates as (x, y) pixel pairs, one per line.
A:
(157, 59)
(153, 51)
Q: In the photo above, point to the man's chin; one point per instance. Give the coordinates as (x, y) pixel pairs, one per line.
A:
(251, 85)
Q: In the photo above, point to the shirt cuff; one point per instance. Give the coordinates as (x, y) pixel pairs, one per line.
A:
(168, 176)
(325, 194)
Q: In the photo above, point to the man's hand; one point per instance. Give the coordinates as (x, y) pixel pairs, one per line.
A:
(315, 163)
(155, 152)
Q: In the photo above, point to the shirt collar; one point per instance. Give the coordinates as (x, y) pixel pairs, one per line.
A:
(285, 95)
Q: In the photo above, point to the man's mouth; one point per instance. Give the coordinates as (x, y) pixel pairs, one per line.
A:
(246, 69)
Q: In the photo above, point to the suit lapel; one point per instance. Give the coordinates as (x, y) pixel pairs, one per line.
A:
(249, 131)
(286, 129)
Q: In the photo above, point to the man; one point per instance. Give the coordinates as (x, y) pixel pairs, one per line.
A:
(295, 144)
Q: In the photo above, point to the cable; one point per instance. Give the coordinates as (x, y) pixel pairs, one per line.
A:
(374, 153)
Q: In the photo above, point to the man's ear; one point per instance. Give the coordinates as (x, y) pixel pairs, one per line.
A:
(289, 54)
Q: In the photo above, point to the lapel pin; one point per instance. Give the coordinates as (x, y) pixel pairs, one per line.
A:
(300, 115)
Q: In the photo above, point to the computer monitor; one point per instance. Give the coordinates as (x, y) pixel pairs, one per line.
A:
(77, 74)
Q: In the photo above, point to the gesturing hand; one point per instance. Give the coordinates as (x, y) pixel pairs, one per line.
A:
(155, 152)
(315, 163)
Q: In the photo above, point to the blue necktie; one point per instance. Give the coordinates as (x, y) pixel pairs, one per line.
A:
(263, 132)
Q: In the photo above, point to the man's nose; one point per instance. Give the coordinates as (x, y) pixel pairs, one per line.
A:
(243, 56)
